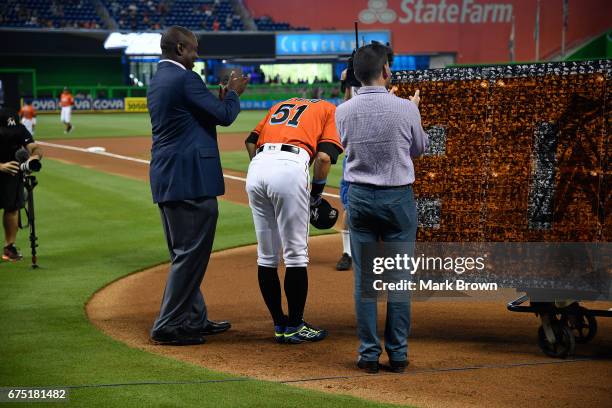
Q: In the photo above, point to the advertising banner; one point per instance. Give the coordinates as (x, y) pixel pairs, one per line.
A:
(477, 31)
(80, 104)
(136, 104)
(312, 43)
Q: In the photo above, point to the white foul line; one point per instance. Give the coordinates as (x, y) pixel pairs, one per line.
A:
(80, 149)
(136, 160)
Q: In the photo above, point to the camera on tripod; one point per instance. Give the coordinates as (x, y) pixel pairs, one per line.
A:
(351, 80)
(26, 165)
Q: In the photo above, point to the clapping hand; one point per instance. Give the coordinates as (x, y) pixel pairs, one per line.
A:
(223, 88)
(222, 91)
(416, 98)
(237, 83)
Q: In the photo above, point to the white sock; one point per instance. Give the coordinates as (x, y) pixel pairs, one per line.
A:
(346, 242)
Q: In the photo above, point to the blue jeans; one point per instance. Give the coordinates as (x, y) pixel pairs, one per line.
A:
(389, 215)
(344, 185)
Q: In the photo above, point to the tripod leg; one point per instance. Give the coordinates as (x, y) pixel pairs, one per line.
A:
(30, 184)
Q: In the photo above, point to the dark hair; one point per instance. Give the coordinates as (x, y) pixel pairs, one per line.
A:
(172, 37)
(369, 62)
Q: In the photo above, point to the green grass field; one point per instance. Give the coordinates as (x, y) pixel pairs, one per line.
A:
(88, 125)
(48, 340)
(95, 228)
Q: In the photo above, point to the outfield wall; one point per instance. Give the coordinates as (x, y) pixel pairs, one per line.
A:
(70, 71)
(135, 104)
(80, 104)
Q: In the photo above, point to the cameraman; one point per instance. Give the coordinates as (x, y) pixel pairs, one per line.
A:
(13, 137)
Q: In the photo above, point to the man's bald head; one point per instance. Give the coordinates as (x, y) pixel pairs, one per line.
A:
(179, 44)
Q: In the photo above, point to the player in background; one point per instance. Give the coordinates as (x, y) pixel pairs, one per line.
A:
(66, 102)
(346, 260)
(294, 134)
(27, 114)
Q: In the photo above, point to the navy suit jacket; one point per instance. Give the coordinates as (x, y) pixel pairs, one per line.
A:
(185, 162)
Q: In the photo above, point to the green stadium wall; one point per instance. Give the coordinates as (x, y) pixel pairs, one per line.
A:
(72, 71)
(598, 48)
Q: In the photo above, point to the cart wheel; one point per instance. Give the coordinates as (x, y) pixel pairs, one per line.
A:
(582, 325)
(564, 341)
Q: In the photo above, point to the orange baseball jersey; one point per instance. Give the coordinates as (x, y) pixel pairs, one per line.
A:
(300, 122)
(27, 112)
(66, 99)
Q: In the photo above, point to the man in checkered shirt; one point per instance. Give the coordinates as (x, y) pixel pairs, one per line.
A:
(380, 133)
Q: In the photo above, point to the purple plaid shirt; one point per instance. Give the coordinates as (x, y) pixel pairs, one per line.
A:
(380, 134)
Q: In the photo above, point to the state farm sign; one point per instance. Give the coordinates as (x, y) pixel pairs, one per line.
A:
(437, 12)
(476, 31)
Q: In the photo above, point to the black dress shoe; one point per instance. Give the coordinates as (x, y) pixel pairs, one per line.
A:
(176, 337)
(370, 367)
(214, 328)
(397, 366)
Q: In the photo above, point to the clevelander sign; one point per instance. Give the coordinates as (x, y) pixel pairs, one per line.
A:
(324, 43)
(437, 12)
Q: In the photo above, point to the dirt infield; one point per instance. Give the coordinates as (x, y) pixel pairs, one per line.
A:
(449, 340)
(463, 353)
(140, 146)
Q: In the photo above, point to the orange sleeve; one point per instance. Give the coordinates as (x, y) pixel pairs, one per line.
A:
(330, 133)
(21, 111)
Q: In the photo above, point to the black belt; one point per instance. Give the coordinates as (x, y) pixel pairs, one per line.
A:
(283, 148)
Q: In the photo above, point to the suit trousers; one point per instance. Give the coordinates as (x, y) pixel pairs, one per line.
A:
(189, 227)
(378, 214)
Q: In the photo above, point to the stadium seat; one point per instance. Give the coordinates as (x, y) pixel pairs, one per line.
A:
(131, 14)
(267, 24)
(44, 13)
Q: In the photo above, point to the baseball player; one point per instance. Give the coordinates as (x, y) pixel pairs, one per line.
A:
(66, 102)
(294, 134)
(27, 113)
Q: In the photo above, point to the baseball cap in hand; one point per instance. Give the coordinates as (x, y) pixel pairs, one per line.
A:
(323, 216)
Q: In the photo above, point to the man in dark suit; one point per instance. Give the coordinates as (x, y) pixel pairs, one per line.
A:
(186, 178)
